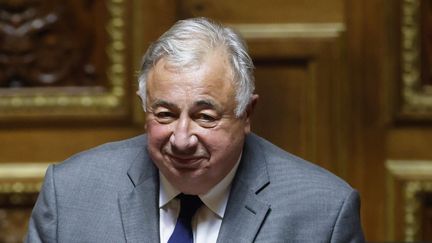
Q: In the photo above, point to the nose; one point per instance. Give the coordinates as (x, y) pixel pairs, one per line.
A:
(183, 140)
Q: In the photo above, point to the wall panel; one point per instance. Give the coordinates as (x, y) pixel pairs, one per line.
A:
(66, 84)
(296, 78)
(325, 71)
(409, 134)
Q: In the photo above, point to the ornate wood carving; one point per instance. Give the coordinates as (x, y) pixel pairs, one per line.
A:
(19, 187)
(409, 202)
(47, 43)
(67, 58)
(15, 210)
(415, 57)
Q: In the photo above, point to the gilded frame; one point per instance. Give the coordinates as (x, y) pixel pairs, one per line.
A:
(414, 178)
(416, 99)
(83, 103)
(20, 184)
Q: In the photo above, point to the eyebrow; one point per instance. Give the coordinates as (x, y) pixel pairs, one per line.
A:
(202, 104)
(163, 103)
(208, 104)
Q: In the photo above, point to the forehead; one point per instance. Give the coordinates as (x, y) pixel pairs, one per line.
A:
(212, 78)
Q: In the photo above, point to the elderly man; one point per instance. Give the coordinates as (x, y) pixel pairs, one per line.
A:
(199, 174)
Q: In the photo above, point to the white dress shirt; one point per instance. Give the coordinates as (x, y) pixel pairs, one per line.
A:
(207, 220)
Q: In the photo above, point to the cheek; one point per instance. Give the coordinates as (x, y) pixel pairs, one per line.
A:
(157, 133)
(224, 142)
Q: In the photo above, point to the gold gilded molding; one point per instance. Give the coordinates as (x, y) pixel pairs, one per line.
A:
(412, 208)
(410, 169)
(20, 187)
(20, 184)
(290, 30)
(19, 178)
(83, 102)
(416, 100)
(22, 170)
(415, 177)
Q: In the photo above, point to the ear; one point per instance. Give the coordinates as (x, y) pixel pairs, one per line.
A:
(249, 111)
(142, 101)
(139, 96)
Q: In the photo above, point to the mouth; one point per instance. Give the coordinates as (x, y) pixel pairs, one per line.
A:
(185, 163)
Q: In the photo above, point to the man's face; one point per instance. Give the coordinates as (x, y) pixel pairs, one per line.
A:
(194, 137)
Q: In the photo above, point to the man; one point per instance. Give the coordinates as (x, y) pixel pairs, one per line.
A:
(196, 85)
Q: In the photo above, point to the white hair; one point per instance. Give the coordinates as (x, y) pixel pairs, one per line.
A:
(188, 41)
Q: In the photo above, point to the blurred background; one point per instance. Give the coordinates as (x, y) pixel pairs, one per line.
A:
(345, 84)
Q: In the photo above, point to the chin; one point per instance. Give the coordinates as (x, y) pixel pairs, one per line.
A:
(192, 186)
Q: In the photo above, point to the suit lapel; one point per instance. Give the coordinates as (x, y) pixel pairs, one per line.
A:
(245, 211)
(243, 217)
(140, 208)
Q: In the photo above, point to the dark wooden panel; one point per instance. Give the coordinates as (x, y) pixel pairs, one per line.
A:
(281, 111)
(56, 144)
(301, 102)
(372, 62)
(270, 11)
(410, 143)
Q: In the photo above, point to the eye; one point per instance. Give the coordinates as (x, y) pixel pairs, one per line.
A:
(206, 120)
(164, 116)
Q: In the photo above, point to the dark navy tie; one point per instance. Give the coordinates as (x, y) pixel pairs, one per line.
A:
(189, 204)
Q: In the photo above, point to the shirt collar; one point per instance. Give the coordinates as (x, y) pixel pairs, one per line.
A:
(166, 191)
(215, 199)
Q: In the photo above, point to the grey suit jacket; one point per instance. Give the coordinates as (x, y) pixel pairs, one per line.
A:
(110, 194)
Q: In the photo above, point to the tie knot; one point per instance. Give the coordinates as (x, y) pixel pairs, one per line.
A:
(189, 204)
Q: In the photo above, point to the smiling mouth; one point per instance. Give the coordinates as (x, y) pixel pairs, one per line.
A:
(185, 162)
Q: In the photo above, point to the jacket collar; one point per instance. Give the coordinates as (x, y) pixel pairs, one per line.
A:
(246, 211)
(139, 208)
